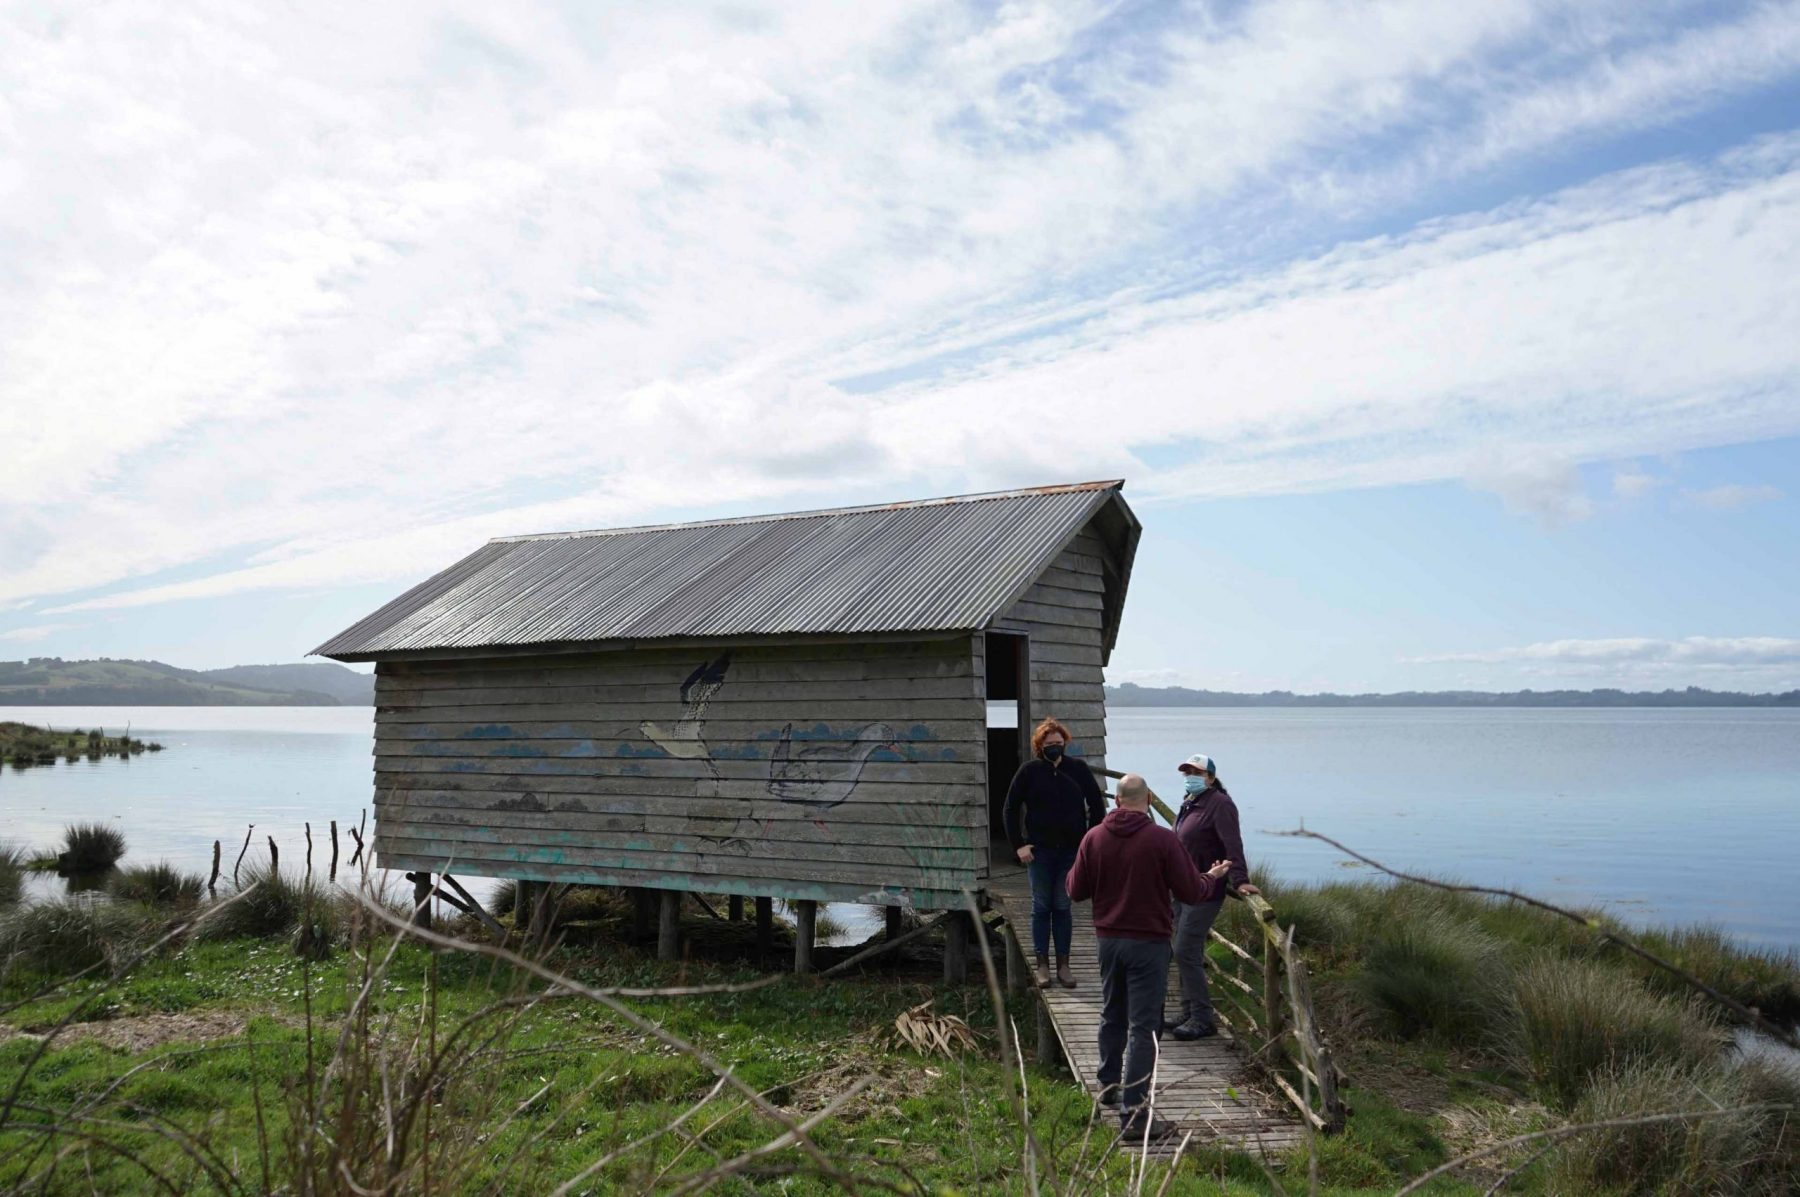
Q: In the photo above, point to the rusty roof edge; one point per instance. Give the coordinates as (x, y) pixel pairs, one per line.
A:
(1020, 493)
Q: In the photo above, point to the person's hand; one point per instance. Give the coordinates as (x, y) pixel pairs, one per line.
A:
(1025, 854)
(1220, 869)
(1247, 889)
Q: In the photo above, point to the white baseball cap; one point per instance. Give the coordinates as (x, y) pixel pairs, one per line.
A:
(1202, 762)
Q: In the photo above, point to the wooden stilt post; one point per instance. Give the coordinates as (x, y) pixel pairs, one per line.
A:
(1048, 1049)
(1017, 970)
(668, 926)
(806, 917)
(422, 900)
(765, 928)
(641, 914)
(956, 949)
(894, 922)
(734, 911)
(541, 912)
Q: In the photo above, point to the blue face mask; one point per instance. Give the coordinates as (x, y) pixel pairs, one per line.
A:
(1196, 784)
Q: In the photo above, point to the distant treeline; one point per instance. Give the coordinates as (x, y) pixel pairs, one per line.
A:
(1129, 694)
(54, 682)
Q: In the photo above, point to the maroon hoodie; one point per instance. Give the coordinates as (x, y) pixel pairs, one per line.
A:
(1130, 867)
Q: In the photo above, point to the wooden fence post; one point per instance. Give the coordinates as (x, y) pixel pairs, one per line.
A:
(308, 827)
(334, 850)
(668, 926)
(1271, 985)
(274, 856)
(806, 915)
(956, 949)
(1048, 1049)
(213, 881)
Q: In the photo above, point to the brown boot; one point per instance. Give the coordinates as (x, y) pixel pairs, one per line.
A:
(1064, 977)
(1043, 972)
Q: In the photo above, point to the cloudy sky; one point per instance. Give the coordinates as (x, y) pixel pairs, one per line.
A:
(1441, 344)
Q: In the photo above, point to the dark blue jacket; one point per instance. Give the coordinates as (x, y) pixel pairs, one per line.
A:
(1056, 804)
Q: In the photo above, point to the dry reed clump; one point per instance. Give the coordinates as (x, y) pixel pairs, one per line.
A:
(1753, 1152)
(90, 848)
(160, 884)
(1576, 1020)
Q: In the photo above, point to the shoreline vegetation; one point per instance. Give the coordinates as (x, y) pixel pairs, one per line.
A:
(22, 745)
(292, 1035)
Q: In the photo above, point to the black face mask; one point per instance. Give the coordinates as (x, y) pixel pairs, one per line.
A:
(1053, 752)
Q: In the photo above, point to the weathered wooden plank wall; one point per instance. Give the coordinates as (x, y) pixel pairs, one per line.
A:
(1063, 614)
(829, 772)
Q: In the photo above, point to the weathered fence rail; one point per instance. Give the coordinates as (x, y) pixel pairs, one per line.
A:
(1262, 992)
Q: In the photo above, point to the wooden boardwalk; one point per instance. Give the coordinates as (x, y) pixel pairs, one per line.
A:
(1205, 1086)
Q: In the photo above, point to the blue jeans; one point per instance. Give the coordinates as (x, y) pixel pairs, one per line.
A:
(1049, 873)
(1134, 980)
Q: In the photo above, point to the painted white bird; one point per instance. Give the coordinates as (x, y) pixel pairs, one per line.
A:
(824, 775)
(685, 739)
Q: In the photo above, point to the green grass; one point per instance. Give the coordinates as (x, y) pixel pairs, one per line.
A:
(13, 863)
(1436, 975)
(42, 939)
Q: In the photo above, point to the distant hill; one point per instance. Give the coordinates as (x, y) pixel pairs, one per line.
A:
(54, 682)
(1131, 695)
(350, 688)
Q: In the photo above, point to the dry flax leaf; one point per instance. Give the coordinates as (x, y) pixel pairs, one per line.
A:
(930, 1033)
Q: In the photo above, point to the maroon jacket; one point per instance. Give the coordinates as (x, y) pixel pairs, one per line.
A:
(1129, 866)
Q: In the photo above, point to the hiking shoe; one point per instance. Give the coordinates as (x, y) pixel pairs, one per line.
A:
(1043, 972)
(1133, 1131)
(1194, 1029)
(1064, 977)
(1109, 1095)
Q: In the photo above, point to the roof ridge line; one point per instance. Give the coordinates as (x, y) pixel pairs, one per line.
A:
(984, 496)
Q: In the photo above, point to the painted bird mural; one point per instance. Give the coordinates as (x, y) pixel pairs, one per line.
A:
(685, 739)
(824, 775)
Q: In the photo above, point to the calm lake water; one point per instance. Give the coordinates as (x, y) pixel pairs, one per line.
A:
(1659, 815)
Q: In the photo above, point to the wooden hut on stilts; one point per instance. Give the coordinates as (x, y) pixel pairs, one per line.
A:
(786, 706)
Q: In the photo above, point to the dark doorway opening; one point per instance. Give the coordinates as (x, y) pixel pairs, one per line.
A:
(1008, 720)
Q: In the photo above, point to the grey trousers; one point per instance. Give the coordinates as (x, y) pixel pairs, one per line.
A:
(1134, 980)
(1192, 923)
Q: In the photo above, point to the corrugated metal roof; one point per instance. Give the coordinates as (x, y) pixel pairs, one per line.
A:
(935, 565)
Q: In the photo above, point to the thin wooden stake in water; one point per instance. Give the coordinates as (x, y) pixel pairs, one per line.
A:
(334, 850)
(212, 883)
(274, 857)
(241, 851)
(308, 827)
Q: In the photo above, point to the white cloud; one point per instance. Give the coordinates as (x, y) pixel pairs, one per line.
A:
(42, 631)
(1731, 496)
(294, 303)
(1634, 483)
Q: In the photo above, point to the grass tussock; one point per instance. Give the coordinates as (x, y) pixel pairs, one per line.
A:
(13, 861)
(1755, 1153)
(1764, 978)
(68, 936)
(1579, 1020)
(90, 848)
(1436, 975)
(272, 903)
(160, 884)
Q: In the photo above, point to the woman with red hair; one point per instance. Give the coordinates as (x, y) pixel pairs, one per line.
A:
(1053, 801)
